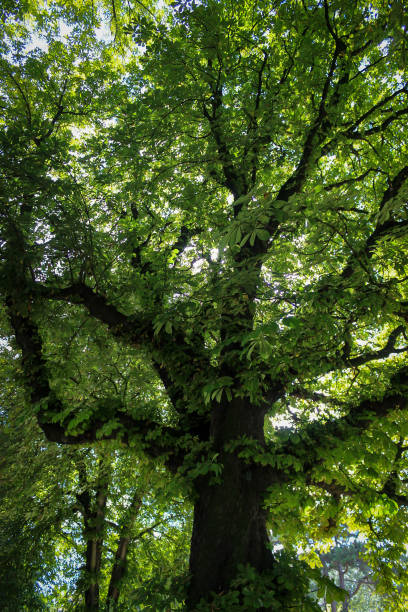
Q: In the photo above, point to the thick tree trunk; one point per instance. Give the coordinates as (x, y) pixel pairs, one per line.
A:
(229, 524)
(229, 530)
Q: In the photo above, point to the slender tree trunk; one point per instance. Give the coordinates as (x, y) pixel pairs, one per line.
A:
(342, 585)
(119, 565)
(94, 528)
(93, 513)
(229, 524)
(118, 572)
(93, 564)
(325, 572)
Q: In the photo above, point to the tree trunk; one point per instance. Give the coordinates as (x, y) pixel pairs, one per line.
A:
(93, 513)
(342, 585)
(94, 528)
(93, 564)
(229, 524)
(325, 572)
(118, 572)
(119, 566)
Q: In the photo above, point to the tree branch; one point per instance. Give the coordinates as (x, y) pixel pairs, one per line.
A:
(318, 130)
(349, 181)
(386, 351)
(320, 398)
(60, 111)
(155, 439)
(233, 181)
(253, 123)
(384, 228)
(318, 437)
(352, 133)
(130, 327)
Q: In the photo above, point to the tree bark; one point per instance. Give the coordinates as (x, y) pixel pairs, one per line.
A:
(119, 565)
(229, 526)
(342, 584)
(118, 572)
(94, 527)
(93, 513)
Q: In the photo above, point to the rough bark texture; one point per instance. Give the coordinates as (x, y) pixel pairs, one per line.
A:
(229, 523)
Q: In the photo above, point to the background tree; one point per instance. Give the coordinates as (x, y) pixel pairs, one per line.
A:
(226, 200)
(74, 520)
(32, 504)
(26, 543)
(125, 514)
(344, 561)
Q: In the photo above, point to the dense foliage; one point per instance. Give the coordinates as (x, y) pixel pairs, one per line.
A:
(203, 233)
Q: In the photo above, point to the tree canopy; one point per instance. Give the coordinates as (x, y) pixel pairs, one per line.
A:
(203, 227)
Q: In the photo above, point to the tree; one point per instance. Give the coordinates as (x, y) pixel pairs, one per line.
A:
(26, 532)
(345, 561)
(222, 190)
(33, 503)
(123, 508)
(74, 520)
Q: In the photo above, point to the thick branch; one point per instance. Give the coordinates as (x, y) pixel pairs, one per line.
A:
(310, 444)
(317, 132)
(233, 181)
(353, 134)
(349, 181)
(320, 398)
(340, 490)
(54, 121)
(386, 351)
(98, 307)
(376, 129)
(382, 229)
(253, 148)
(316, 438)
(156, 440)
